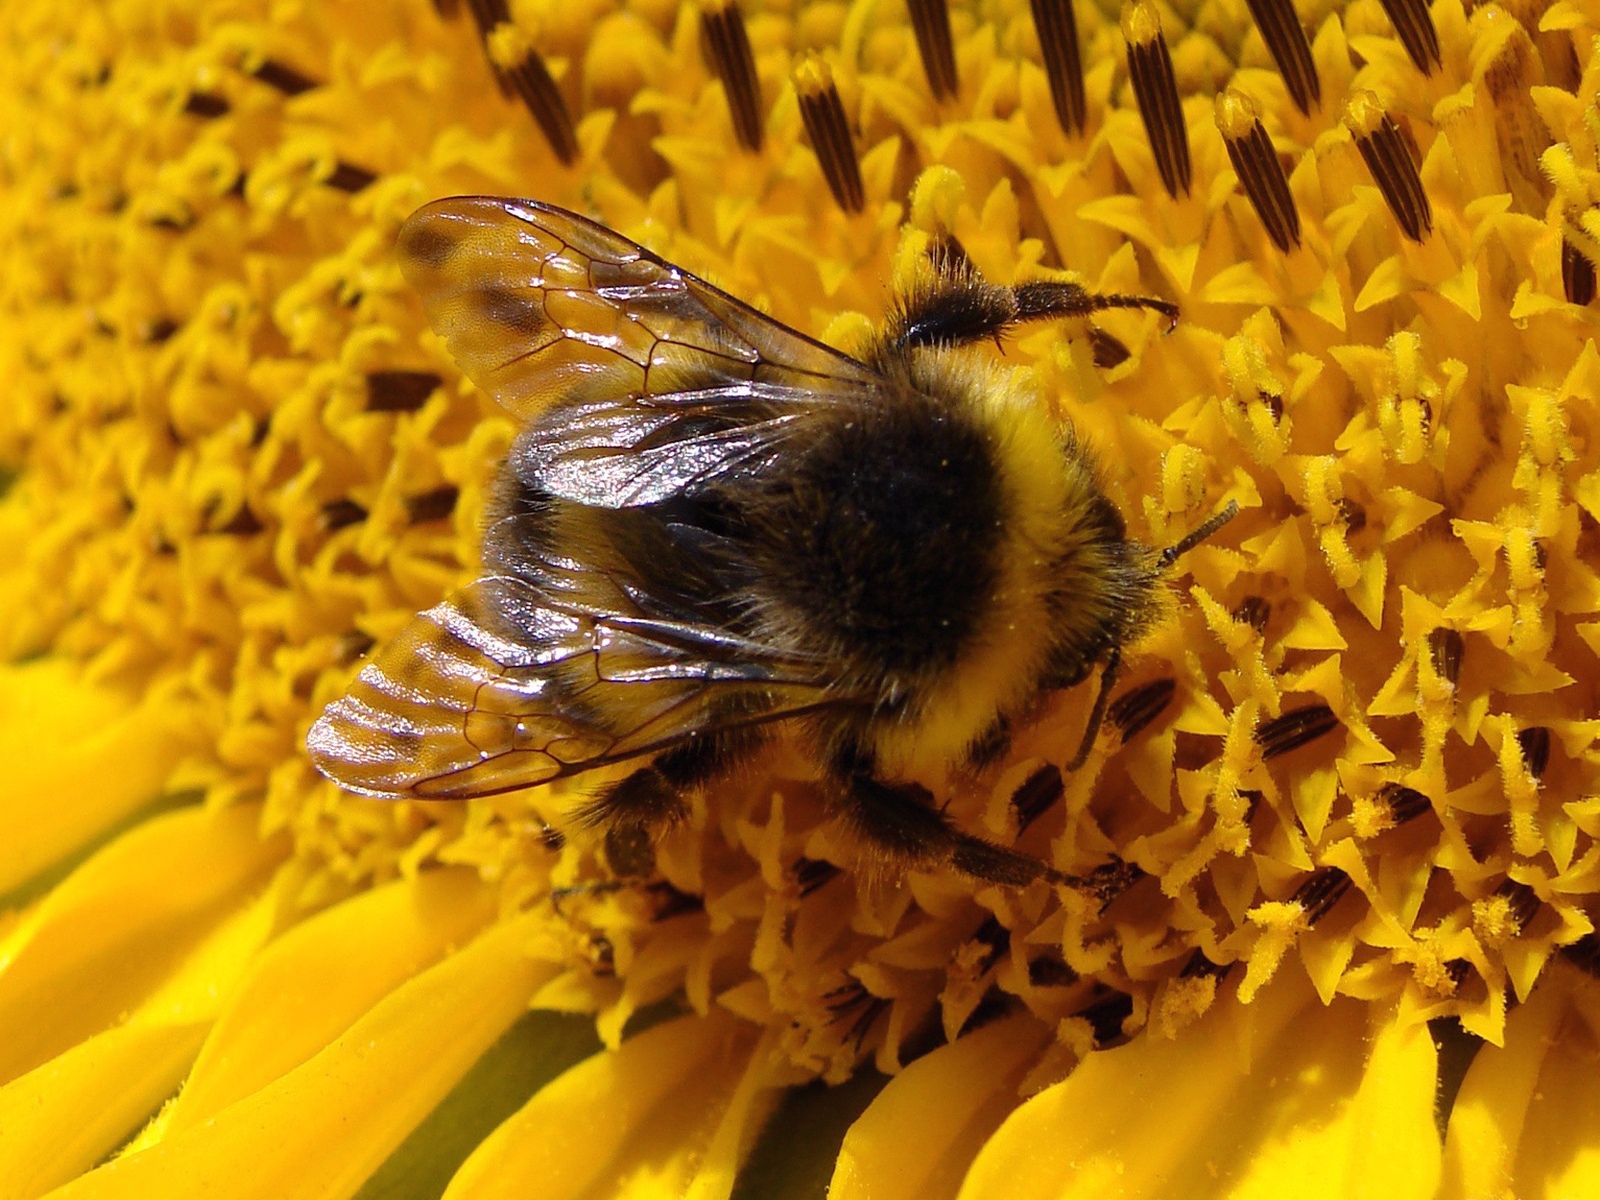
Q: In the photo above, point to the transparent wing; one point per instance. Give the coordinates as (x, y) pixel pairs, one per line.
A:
(505, 685)
(543, 307)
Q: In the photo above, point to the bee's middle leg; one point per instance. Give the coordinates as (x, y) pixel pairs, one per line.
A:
(898, 820)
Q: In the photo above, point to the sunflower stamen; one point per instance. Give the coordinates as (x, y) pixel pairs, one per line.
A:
(1254, 611)
(1535, 744)
(283, 77)
(1138, 707)
(1414, 24)
(726, 43)
(347, 177)
(1155, 87)
(433, 505)
(1063, 61)
(207, 105)
(338, 514)
(1294, 729)
(1106, 349)
(1387, 156)
(1445, 651)
(810, 874)
(400, 391)
(1522, 902)
(822, 113)
(1577, 274)
(1286, 40)
(1404, 804)
(930, 22)
(1256, 164)
(530, 78)
(1035, 795)
(1320, 892)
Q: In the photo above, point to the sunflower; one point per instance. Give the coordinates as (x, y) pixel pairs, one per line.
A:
(1331, 932)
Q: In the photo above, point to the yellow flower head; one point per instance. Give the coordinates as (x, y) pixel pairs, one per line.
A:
(1344, 804)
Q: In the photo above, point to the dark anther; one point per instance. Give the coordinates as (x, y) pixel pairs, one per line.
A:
(338, 514)
(667, 901)
(160, 330)
(1388, 157)
(551, 838)
(1036, 794)
(995, 938)
(243, 523)
(432, 505)
(351, 646)
(1458, 969)
(1414, 23)
(1156, 89)
(350, 178)
(1107, 1016)
(399, 391)
(1577, 274)
(930, 21)
(1260, 172)
(727, 46)
(1254, 611)
(1404, 804)
(1050, 971)
(1107, 350)
(283, 77)
(536, 88)
(1295, 729)
(1535, 743)
(205, 104)
(1353, 514)
(1521, 899)
(1110, 880)
(1063, 61)
(1585, 954)
(1320, 892)
(843, 998)
(812, 873)
(822, 112)
(1286, 39)
(863, 1023)
(1445, 649)
(1137, 707)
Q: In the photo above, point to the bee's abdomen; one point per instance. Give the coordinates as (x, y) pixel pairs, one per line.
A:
(880, 541)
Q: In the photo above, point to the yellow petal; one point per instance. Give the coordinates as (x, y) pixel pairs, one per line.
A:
(917, 1138)
(1266, 1101)
(60, 1119)
(120, 924)
(78, 758)
(323, 1128)
(628, 1122)
(311, 984)
(1524, 1121)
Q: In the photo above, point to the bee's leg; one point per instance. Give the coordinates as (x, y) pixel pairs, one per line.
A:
(1097, 714)
(959, 306)
(898, 820)
(655, 796)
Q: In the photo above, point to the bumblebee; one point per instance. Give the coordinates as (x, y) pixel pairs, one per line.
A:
(710, 524)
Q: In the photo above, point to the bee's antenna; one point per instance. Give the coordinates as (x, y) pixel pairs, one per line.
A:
(1195, 536)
